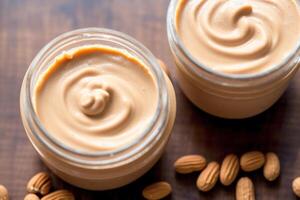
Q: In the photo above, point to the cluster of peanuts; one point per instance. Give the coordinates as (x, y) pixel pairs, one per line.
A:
(40, 185)
(39, 188)
(227, 172)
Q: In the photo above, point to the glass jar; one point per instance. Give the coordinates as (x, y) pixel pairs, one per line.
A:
(229, 96)
(104, 169)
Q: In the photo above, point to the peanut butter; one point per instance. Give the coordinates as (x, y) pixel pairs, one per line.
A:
(97, 108)
(96, 98)
(239, 36)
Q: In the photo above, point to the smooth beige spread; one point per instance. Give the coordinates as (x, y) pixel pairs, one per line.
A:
(239, 36)
(96, 98)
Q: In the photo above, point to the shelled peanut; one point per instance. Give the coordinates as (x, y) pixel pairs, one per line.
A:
(59, 194)
(31, 197)
(245, 189)
(208, 177)
(272, 166)
(190, 163)
(3, 193)
(39, 188)
(296, 186)
(157, 191)
(229, 170)
(39, 184)
(252, 161)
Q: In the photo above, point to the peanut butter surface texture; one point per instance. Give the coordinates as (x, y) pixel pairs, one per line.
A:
(239, 36)
(96, 98)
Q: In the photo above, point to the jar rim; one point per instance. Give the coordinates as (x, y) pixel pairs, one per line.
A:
(155, 126)
(173, 35)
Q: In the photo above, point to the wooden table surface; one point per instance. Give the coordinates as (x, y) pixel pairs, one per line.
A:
(26, 26)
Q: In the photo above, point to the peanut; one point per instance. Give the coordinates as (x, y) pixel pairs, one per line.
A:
(3, 193)
(272, 166)
(157, 191)
(208, 177)
(252, 161)
(245, 189)
(190, 163)
(39, 183)
(31, 197)
(296, 186)
(58, 195)
(229, 169)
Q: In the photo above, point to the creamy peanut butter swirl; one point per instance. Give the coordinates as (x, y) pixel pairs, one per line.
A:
(239, 36)
(96, 98)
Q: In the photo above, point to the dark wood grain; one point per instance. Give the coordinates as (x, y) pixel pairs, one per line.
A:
(25, 26)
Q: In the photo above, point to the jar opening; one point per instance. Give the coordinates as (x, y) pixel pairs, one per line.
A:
(107, 37)
(218, 77)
